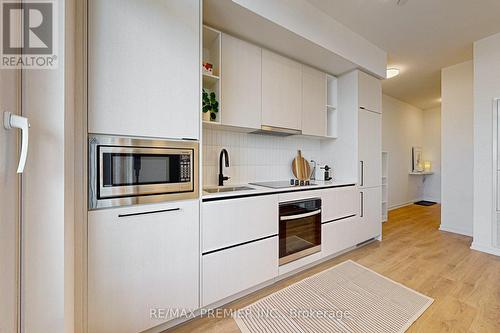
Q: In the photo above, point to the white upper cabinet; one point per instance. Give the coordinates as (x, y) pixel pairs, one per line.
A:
(369, 92)
(144, 68)
(370, 148)
(281, 91)
(241, 83)
(314, 102)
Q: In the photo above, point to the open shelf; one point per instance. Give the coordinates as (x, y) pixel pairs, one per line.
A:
(332, 123)
(423, 173)
(211, 54)
(210, 80)
(332, 120)
(211, 124)
(331, 92)
(211, 48)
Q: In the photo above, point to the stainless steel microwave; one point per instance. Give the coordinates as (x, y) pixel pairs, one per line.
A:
(126, 171)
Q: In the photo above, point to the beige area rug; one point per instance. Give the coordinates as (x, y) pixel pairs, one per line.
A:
(344, 298)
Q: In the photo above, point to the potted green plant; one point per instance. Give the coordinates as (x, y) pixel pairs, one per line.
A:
(210, 105)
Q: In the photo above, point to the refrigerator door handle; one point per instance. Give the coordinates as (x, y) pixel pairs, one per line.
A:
(14, 121)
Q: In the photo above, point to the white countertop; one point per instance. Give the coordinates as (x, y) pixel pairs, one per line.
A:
(260, 190)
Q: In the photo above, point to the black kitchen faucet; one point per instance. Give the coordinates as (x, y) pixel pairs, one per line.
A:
(223, 154)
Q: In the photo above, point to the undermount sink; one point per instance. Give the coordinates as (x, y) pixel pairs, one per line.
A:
(228, 189)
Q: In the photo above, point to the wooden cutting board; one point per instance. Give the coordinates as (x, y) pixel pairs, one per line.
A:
(300, 167)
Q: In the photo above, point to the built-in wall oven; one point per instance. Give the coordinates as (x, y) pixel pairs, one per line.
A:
(125, 171)
(299, 229)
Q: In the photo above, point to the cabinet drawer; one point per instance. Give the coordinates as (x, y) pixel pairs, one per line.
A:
(339, 235)
(231, 271)
(339, 202)
(235, 221)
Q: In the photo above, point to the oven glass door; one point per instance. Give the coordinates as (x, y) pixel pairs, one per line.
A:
(299, 230)
(128, 171)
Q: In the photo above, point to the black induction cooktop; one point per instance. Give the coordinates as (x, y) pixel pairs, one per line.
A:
(283, 184)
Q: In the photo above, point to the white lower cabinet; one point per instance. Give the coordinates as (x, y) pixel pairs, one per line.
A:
(141, 258)
(339, 202)
(370, 221)
(235, 221)
(228, 272)
(339, 235)
(347, 232)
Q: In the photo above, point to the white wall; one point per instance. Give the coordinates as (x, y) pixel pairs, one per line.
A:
(254, 157)
(402, 128)
(486, 88)
(432, 152)
(457, 148)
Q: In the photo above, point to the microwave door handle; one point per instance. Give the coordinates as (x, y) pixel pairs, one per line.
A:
(300, 216)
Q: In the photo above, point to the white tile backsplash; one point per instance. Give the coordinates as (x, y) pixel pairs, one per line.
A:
(254, 157)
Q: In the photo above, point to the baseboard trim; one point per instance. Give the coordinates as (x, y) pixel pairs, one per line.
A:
(433, 200)
(486, 249)
(401, 205)
(454, 230)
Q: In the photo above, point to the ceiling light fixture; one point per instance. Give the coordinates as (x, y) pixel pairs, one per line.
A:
(392, 72)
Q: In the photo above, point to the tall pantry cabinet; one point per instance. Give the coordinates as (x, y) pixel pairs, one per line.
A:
(369, 153)
(358, 149)
(143, 80)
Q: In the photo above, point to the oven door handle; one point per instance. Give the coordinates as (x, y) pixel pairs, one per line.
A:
(300, 216)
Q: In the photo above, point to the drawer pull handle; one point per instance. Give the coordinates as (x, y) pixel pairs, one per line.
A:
(362, 173)
(151, 212)
(362, 204)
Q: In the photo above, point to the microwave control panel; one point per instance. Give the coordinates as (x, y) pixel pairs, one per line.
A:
(185, 168)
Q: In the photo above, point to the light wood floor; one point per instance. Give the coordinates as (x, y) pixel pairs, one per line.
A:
(464, 283)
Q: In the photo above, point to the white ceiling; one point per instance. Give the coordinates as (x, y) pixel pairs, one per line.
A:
(420, 37)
